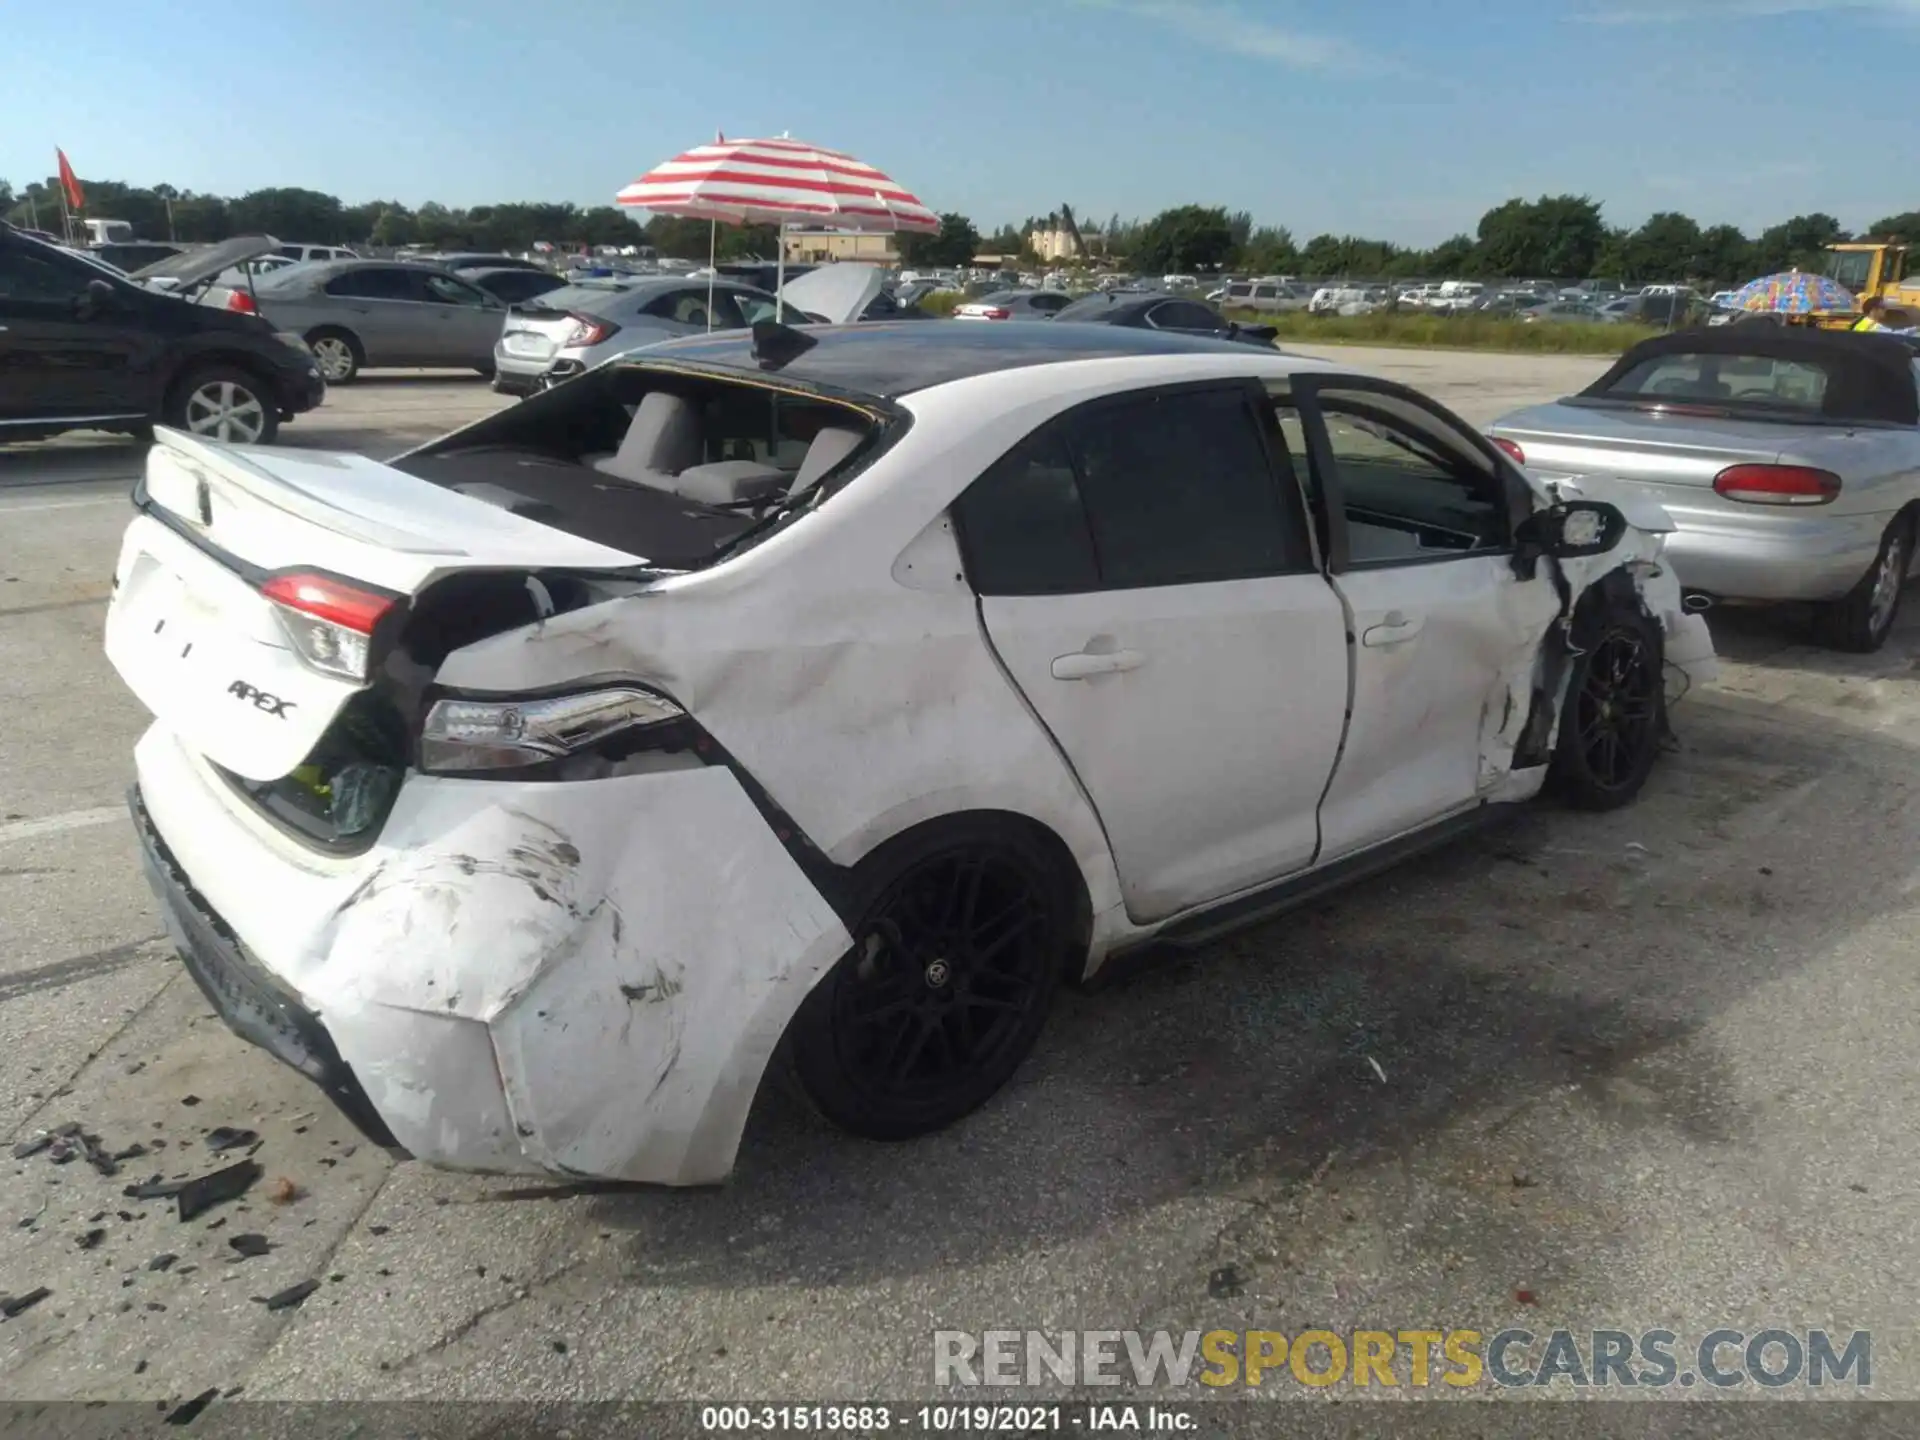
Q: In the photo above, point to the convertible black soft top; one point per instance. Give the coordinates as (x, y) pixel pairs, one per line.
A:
(1869, 377)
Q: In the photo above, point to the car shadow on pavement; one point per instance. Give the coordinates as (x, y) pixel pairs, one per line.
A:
(1558, 959)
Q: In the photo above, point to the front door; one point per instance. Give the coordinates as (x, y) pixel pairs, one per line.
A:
(66, 352)
(1149, 583)
(1420, 535)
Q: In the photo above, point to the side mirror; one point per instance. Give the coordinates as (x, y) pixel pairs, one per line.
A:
(1571, 529)
(96, 299)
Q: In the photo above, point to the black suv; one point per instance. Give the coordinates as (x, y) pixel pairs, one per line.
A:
(84, 347)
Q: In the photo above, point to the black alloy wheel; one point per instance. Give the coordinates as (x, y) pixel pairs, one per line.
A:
(955, 963)
(1610, 730)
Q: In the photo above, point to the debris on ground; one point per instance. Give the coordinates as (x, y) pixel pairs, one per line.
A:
(33, 1144)
(225, 1137)
(189, 1100)
(12, 1305)
(1526, 1297)
(249, 1245)
(92, 1237)
(130, 1152)
(282, 1191)
(140, 1367)
(162, 1262)
(198, 1196)
(188, 1411)
(1377, 1070)
(155, 1188)
(378, 1229)
(289, 1297)
(1225, 1283)
(559, 1347)
(1523, 1181)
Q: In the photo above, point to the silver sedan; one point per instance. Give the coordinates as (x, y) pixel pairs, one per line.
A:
(1788, 459)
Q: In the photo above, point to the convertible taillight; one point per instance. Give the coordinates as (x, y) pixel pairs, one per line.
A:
(1776, 484)
(241, 303)
(1512, 447)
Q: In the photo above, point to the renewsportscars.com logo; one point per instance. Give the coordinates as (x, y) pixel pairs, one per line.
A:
(1416, 1359)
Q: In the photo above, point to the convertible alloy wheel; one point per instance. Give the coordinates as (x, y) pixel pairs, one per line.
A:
(954, 966)
(1617, 709)
(227, 411)
(1888, 576)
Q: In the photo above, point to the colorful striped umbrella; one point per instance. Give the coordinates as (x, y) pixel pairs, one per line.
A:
(1793, 293)
(779, 182)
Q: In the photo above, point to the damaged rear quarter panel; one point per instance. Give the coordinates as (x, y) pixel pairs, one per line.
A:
(633, 947)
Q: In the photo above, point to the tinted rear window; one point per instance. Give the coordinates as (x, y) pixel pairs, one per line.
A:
(1718, 379)
(1087, 305)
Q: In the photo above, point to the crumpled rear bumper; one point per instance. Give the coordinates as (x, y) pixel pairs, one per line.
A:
(585, 979)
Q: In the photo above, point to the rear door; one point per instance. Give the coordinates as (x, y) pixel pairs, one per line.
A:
(381, 306)
(462, 320)
(65, 352)
(1150, 585)
(1419, 514)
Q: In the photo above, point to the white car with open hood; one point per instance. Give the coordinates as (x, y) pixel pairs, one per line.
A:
(833, 695)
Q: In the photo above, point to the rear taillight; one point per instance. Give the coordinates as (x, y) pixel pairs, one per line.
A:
(330, 622)
(1776, 484)
(994, 312)
(241, 303)
(587, 331)
(1512, 448)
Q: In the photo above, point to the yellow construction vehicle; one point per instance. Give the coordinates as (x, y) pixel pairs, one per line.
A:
(1868, 268)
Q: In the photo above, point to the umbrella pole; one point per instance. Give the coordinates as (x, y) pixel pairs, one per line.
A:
(713, 254)
(780, 273)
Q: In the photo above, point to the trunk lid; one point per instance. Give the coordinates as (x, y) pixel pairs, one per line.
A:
(190, 267)
(1654, 449)
(196, 639)
(838, 294)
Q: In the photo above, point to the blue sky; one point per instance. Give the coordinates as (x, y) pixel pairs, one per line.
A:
(1385, 118)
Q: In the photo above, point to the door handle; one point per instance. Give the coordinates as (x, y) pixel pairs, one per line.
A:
(1393, 628)
(1083, 664)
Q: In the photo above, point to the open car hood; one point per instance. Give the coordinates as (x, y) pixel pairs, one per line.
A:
(190, 267)
(838, 294)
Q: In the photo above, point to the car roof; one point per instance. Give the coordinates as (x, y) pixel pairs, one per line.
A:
(894, 359)
(1869, 377)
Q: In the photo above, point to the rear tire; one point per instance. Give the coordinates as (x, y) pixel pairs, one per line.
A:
(223, 403)
(1862, 620)
(959, 948)
(338, 353)
(1613, 718)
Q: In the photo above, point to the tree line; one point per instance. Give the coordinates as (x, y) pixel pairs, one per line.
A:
(1562, 237)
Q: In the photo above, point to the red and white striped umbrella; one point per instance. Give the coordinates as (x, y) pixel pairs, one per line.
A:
(779, 182)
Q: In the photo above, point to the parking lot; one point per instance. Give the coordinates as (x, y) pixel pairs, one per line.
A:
(1652, 1068)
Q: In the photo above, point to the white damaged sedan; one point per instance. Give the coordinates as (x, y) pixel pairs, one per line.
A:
(833, 696)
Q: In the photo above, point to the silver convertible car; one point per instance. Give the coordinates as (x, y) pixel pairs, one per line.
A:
(1788, 458)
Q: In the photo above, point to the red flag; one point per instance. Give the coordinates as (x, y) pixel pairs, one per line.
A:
(70, 184)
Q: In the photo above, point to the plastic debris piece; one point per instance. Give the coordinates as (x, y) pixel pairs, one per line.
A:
(162, 1262)
(189, 1099)
(249, 1245)
(33, 1144)
(198, 1196)
(1377, 1070)
(1224, 1283)
(225, 1137)
(291, 1296)
(13, 1305)
(187, 1411)
(92, 1237)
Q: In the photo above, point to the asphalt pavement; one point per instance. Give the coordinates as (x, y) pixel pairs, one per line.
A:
(1648, 1069)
